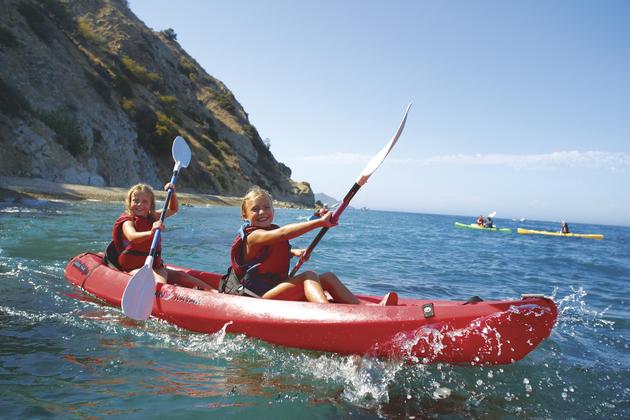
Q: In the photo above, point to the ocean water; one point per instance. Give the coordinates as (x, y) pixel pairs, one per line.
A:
(65, 354)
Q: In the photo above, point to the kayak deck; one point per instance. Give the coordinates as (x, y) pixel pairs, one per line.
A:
(476, 226)
(549, 233)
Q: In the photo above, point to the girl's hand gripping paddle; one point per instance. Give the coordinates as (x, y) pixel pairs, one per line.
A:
(137, 300)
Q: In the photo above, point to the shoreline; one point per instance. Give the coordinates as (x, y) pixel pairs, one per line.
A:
(16, 188)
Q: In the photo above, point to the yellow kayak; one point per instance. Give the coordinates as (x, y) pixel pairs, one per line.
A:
(546, 232)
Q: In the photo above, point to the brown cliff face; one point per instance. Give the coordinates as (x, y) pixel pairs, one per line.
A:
(90, 95)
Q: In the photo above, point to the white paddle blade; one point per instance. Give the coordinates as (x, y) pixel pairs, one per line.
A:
(181, 152)
(494, 213)
(137, 300)
(380, 157)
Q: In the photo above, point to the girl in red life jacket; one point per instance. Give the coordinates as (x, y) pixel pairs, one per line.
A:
(133, 233)
(266, 245)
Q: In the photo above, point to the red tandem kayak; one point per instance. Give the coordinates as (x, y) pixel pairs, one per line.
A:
(419, 331)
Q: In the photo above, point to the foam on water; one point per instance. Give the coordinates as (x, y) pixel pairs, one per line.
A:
(70, 353)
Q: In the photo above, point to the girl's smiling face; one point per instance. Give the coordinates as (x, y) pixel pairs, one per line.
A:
(140, 203)
(259, 211)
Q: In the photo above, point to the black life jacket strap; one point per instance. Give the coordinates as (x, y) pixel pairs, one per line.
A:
(111, 257)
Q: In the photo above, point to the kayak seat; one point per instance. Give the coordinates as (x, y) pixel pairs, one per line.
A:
(111, 257)
(474, 299)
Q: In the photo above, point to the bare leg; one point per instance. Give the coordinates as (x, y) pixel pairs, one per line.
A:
(186, 280)
(304, 285)
(161, 275)
(291, 289)
(340, 293)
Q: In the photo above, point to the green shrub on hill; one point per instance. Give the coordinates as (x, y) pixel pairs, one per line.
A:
(129, 106)
(7, 39)
(145, 118)
(38, 16)
(123, 86)
(216, 170)
(165, 131)
(170, 34)
(187, 68)
(210, 146)
(12, 102)
(67, 130)
(156, 130)
(58, 11)
(139, 73)
(101, 87)
(224, 146)
(169, 104)
(85, 29)
(225, 100)
(36, 21)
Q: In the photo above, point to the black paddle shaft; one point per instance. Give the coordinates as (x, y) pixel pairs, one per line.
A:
(169, 194)
(346, 200)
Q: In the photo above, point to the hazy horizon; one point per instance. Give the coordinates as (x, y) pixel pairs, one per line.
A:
(519, 108)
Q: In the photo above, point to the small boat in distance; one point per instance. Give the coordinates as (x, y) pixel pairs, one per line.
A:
(476, 226)
(550, 233)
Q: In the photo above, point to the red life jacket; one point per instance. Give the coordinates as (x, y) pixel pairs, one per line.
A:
(271, 259)
(133, 255)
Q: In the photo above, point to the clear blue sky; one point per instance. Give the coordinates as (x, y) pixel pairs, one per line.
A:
(519, 107)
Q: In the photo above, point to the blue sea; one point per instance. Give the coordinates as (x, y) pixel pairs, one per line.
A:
(65, 354)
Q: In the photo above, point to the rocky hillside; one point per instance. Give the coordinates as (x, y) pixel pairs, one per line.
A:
(90, 95)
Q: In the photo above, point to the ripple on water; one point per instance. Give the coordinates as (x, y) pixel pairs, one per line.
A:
(65, 353)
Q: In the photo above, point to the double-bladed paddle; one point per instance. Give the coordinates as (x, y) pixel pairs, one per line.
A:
(137, 300)
(363, 178)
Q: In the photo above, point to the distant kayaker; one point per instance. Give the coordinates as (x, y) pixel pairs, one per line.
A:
(564, 227)
(261, 253)
(133, 232)
(320, 212)
(488, 223)
(480, 220)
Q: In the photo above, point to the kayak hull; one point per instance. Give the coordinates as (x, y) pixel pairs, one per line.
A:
(477, 227)
(548, 233)
(487, 332)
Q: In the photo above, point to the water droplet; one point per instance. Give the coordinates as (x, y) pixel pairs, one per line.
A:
(441, 393)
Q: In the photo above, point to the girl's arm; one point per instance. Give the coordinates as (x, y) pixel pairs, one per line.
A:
(259, 238)
(131, 234)
(173, 205)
